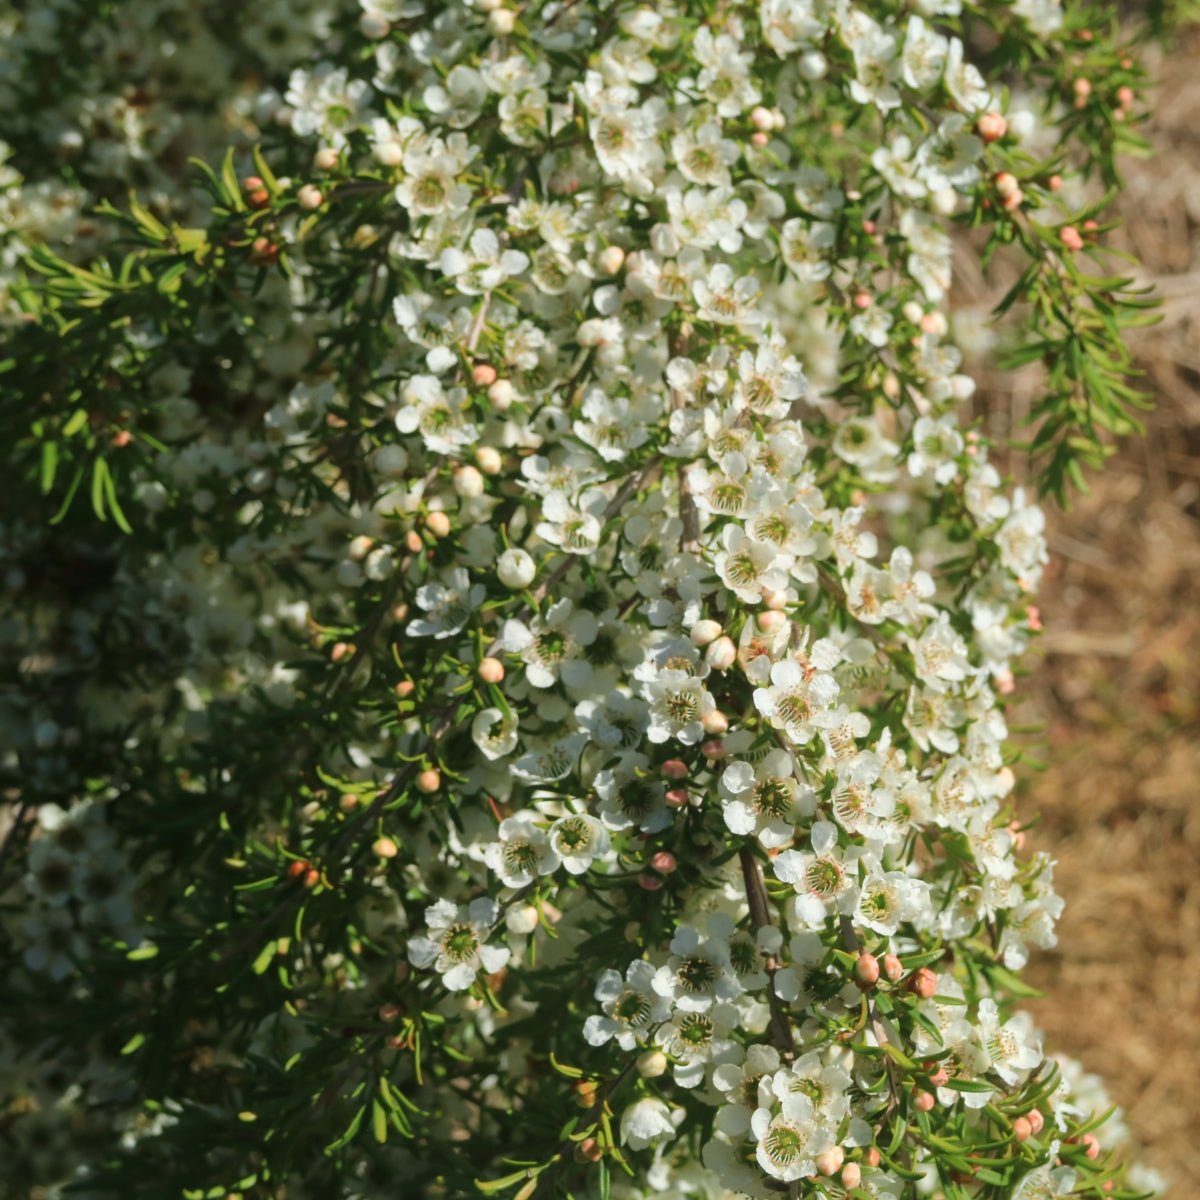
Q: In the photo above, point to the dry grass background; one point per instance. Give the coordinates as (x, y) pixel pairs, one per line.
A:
(1118, 690)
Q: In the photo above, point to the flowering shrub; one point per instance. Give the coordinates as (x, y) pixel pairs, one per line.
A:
(510, 611)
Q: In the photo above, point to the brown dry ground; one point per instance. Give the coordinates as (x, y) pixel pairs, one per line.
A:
(1118, 691)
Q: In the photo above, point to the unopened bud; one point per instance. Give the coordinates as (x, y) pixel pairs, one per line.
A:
(483, 374)
(923, 982)
(1022, 1129)
(829, 1162)
(610, 260)
(762, 119)
(760, 139)
(373, 26)
(468, 482)
(588, 1150)
(705, 631)
(715, 748)
(863, 300)
(310, 197)
(893, 968)
(1071, 237)
(1006, 183)
(501, 395)
(1091, 1144)
(325, 159)
(677, 797)
(722, 654)
(663, 862)
(714, 722)
(491, 670)
(438, 523)
(384, 847)
(489, 460)
(652, 1064)
(871, 1156)
(924, 1101)
(866, 971)
(675, 768)
(501, 22)
(649, 883)
(405, 687)
(771, 621)
(851, 1176)
(992, 126)
(1036, 1121)
(429, 780)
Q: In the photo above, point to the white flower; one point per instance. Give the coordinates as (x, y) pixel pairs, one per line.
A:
(940, 655)
(485, 267)
(821, 876)
(647, 1121)
(456, 942)
(764, 801)
(551, 646)
(698, 973)
(578, 839)
(523, 851)
(678, 703)
(632, 1009)
(494, 733)
(441, 418)
(448, 604)
(796, 700)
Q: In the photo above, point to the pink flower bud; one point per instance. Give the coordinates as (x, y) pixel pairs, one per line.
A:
(893, 968)
(664, 862)
(866, 971)
(325, 159)
(429, 780)
(714, 748)
(924, 1101)
(862, 300)
(992, 126)
(762, 119)
(483, 374)
(1091, 1145)
(829, 1162)
(1036, 1121)
(405, 687)
(871, 1156)
(1125, 96)
(1022, 1129)
(438, 523)
(923, 982)
(1054, 182)
(760, 139)
(677, 797)
(851, 1176)
(491, 670)
(939, 1078)
(771, 621)
(384, 847)
(675, 768)
(1006, 183)
(1082, 88)
(1071, 237)
(714, 722)
(1033, 617)
(649, 883)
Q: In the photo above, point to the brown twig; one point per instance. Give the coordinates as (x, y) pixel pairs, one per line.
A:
(760, 917)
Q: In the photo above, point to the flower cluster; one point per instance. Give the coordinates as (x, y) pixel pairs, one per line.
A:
(566, 615)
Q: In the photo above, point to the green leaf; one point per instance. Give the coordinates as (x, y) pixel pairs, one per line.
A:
(378, 1122)
(133, 1044)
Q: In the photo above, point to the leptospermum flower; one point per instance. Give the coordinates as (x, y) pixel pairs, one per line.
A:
(456, 942)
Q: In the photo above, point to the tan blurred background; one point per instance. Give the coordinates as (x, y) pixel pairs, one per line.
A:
(1117, 688)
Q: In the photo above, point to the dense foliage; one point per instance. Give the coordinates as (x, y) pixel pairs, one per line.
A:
(509, 615)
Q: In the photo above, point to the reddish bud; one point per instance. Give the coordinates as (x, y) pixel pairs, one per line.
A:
(871, 1156)
(862, 300)
(714, 748)
(893, 968)
(675, 768)
(1125, 96)
(588, 1151)
(389, 1011)
(866, 971)
(297, 868)
(1071, 237)
(384, 847)
(1091, 1145)
(992, 126)
(1022, 1129)
(677, 797)
(259, 198)
(312, 877)
(1054, 182)
(923, 982)
(1036, 1120)
(851, 1176)
(483, 374)
(405, 687)
(649, 883)
(759, 139)
(429, 780)
(252, 183)
(664, 862)
(923, 1101)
